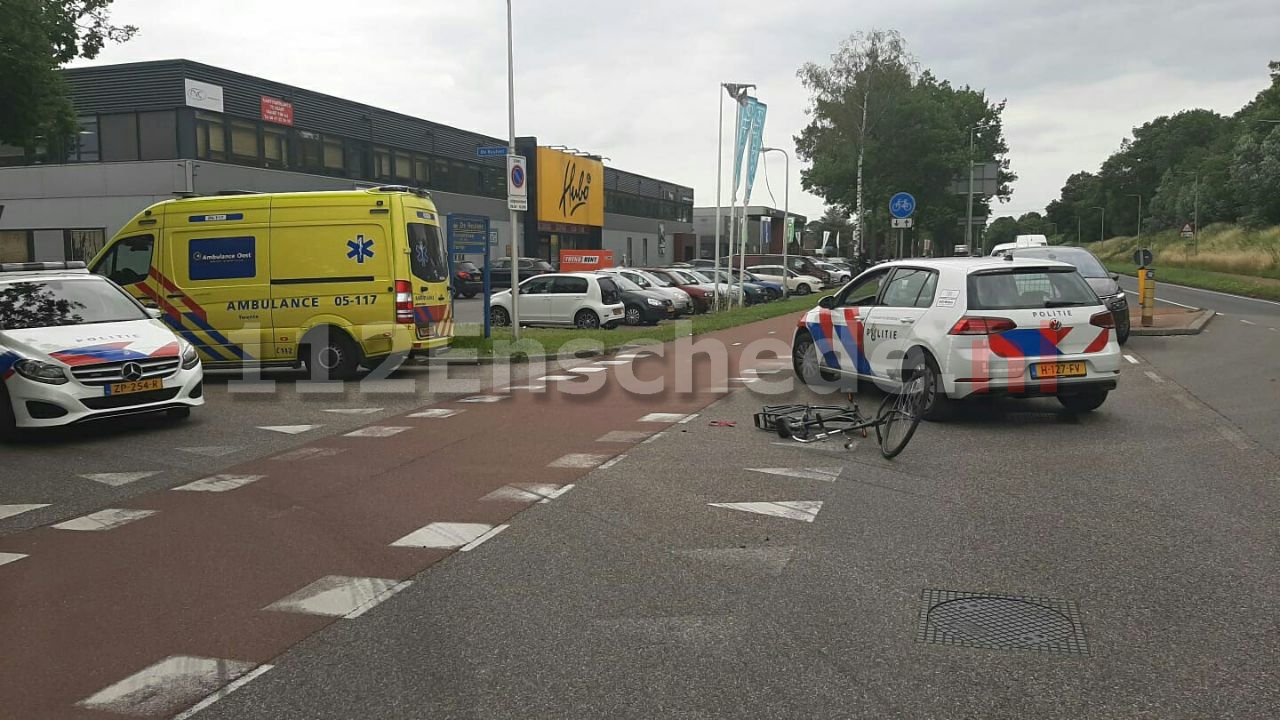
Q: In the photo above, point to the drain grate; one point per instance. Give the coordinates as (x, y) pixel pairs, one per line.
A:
(1000, 622)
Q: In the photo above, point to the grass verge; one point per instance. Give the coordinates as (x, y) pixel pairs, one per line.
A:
(1246, 285)
(538, 342)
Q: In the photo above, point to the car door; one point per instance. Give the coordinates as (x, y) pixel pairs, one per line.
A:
(567, 294)
(535, 300)
(842, 327)
(891, 324)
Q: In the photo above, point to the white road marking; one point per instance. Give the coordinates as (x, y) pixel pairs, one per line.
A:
(687, 419)
(1248, 322)
(828, 474)
(289, 429)
(1235, 438)
(588, 369)
(118, 479)
(736, 344)
(483, 399)
(556, 494)
(308, 453)
(626, 358)
(443, 535)
(613, 362)
(533, 388)
(1167, 302)
(1132, 360)
(104, 520)
(171, 684)
(579, 460)
(483, 538)
(745, 380)
(336, 596)
(1154, 377)
(523, 492)
(223, 692)
(1212, 292)
(436, 413)
(6, 558)
(220, 483)
(805, 510)
(624, 436)
(663, 417)
(8, 511)
(354, 411)
(773, 332)
(613, 462)
(1216, 314)
(556, 378)
(653, 438)
(378, 600)
(212, 450)
(377, 431)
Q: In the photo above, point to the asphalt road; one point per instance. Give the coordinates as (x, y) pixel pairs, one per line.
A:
(1234, 365)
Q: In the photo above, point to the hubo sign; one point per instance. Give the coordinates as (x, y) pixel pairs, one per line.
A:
(570, 188)
(203, 95)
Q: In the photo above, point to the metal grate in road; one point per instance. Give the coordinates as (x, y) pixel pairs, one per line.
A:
(1000, 622)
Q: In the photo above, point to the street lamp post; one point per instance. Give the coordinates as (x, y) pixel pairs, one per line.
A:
(1077, 231)
(968, 225)
(514, 216)
(1139, 216)
(786, 211)
(1102, 231)
(1195, 219)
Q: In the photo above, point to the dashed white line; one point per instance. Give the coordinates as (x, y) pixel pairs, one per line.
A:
(588, 369)
(613, 462)
(118, 479)
(579, 460)
(6, 558)
(483, 399)
(1154, 377)
(436, 413)
(104, 520)
(377, 431)
(167, 685)
(688, 419)
(336, 596)
(1168, 302)
(443, 535)
(662, 417)
(652, 438)
(1248, 322)
(1132, 360)
(556, 493)
(215, 697)
(8, 511)
(220, 483)
(483, 538)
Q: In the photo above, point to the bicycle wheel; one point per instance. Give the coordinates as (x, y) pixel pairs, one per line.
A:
(898, 417)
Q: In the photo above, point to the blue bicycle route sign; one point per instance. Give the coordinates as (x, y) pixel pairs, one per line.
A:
(902, 205)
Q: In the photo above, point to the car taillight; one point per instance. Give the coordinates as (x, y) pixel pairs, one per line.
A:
(978, 325)
(1103, 320)
(404, 302)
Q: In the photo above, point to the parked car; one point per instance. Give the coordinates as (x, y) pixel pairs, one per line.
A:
(583, 300)
(683, 303)
(803, 264)
(468, 280)
(835, 276)
(772, 290)
(796, 283)
(500, 271)
(754, 294)
(712, 288)
(76, 347)
(1105, 284)
(699, 294)
(965, 326)
(1021, 241)
(642, 307)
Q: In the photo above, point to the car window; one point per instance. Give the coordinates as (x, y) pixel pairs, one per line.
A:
(1085, 262)
(427, 258)
(128, 261)
(609, 294)
(635, 278)
(500, 264)
(865, 291)
(1019, 289)
(659, 280)
(907, 286)
(625, 285)
(569, 286)
(50, 303)
(535, 286)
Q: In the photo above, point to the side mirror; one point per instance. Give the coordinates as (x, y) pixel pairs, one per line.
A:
(1115, 276)
(155, 313)
(827, 302)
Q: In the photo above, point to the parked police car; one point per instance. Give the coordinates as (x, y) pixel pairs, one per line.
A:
(76, 347)
(1023, 328)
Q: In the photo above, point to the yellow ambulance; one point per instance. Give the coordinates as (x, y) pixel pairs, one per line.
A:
(327, 280)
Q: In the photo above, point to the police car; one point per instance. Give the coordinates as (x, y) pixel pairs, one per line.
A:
(76, 347)
(970, 326)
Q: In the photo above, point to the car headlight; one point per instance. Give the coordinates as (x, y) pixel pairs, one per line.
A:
(41, 372)
(190, 358)
(653, 302)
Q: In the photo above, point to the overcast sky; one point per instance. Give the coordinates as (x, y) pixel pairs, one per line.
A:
(637, 81)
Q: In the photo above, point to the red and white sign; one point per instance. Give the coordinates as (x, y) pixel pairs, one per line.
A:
(275, 110)
(585, 260)
(1188, 230)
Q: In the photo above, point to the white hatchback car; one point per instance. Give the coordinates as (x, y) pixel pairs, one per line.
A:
(76, 347)
(796, 283)
(583, 300)
(969, 326)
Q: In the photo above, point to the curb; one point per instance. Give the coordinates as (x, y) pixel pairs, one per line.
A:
(1195, 328)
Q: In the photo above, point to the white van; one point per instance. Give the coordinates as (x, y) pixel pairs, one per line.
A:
(1021, 241)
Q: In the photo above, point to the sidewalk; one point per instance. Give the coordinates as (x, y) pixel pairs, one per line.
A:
(1168, 320)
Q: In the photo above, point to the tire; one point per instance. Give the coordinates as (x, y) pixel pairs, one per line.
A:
(935, 406)
(181, 413)
(1083, 402)
(499, 316)
(806, 363)
(899, 416)
(803, 289)
(468, 295)
(1122, 327)
(634, 315)
(8, 423)
(331, 355)
(586, 320)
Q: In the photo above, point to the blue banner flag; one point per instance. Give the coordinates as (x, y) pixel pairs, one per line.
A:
(757, 141)
(746, 114)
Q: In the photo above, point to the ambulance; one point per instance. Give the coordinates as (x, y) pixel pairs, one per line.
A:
(330, 281)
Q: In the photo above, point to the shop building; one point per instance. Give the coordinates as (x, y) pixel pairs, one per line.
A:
(765, 229)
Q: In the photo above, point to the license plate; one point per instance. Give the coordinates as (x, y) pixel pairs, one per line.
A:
(617, 311)
(135, 386)
(1040, 371)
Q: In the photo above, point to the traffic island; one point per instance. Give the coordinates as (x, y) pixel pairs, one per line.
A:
(1170, 321)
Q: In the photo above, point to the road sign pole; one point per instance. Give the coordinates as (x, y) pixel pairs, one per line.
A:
(514, 214)
(1148, 297)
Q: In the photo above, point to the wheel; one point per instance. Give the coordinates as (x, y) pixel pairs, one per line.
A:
(934, 403)
(331, 356)
(803, 289)
(898, 417)
(499, 316)
(1122, 327)
(807, 364)
(8, 423)
(181, 413)
(634, 315)
(586, 320)
(468, 295)
(1083, 402)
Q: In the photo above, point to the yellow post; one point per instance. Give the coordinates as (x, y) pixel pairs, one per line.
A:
(1148, 296)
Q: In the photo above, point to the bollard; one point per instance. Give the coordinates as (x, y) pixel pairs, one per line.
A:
(1147, 294)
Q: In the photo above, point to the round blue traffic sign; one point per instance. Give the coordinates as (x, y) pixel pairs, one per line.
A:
(902, 205)
(517, 176)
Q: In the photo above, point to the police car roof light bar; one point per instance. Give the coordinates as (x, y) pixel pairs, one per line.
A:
(37, 266)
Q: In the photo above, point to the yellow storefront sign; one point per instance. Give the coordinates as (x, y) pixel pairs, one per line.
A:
(570, 188)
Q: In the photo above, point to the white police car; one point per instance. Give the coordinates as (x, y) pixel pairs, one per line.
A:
(76, 347)
(971, 326)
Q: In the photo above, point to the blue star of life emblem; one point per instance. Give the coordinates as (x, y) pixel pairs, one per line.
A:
(360, 249)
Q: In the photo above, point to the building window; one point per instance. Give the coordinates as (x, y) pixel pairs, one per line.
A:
(381, 163)
(87, 140)
(440, 174)
(465, 177)
(495, 182)
(211, 137)
(358, 160)
(244, 142)
(404, 167)
(15, 245)
(275, 146)
(83, 244)
(422, 170)
(158, 132)
(119, 137)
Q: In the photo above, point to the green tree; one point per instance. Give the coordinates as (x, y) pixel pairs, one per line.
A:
(1002, 230)
(36, 38)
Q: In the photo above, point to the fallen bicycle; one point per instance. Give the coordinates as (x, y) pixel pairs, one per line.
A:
(895, 422)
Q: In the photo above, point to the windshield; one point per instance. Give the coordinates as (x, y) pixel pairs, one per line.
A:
(625, 284)
(692, 277)
(1084, 260)
(1029, 288)
(427, 257)
(51, 303)
(656, 279)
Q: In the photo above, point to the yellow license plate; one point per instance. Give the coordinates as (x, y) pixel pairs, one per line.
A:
(136, 386)
(1040, 371)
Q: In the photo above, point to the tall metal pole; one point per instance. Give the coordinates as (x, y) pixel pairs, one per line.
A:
(719, 175)
(1102, 231)
(1077, 231)
(511, 150)
(1139, 216)
(1195, 230)
(968, 224)
(786, 211)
